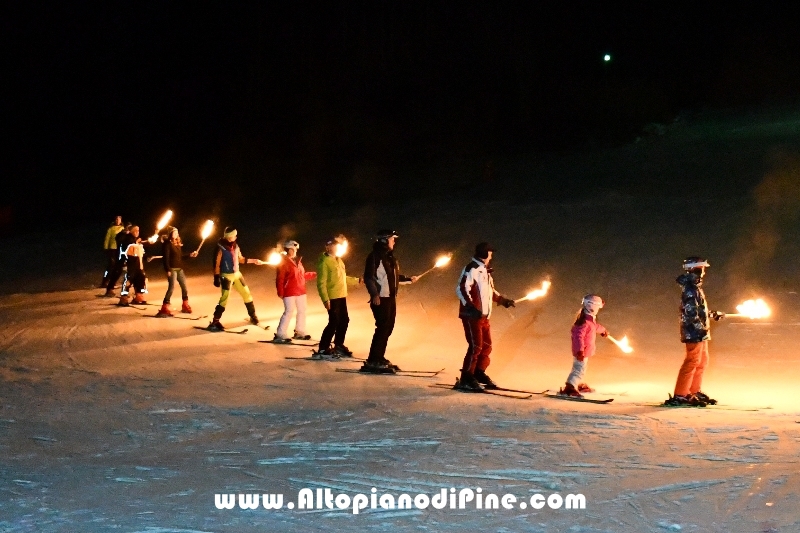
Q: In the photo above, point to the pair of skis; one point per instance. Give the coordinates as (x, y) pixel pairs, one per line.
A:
(407, 373)
(517, 394)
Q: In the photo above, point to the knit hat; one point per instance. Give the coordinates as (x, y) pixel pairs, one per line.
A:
(482, 250)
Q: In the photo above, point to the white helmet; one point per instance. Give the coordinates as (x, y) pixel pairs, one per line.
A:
(593, 303)
(291, 244)
(690, 263)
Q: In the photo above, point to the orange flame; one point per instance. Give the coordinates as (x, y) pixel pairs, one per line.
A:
(208, 227)
(275, 259)
(753, 309)
(538, 293)
(623, 343)
(341, 248)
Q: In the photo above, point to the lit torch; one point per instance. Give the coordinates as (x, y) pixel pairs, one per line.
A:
(621, 343)
(161, 224)
(442, 261)
(274, 259)
(753, 309)
(538, 293)
(208, 227)
(341, 248)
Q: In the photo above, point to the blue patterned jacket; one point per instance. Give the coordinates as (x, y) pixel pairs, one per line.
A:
(695, 320)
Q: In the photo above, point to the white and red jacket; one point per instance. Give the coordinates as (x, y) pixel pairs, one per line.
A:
(476, 289)
(290, 279)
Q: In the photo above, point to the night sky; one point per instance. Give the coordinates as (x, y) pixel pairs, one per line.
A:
(225, 105)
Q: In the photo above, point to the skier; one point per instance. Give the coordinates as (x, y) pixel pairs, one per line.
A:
(135, 276)
(173, 256)
(290, 280)
(476, 293)
(332, 282)
(227, 275)
(110, 249)
(695, 334)
(584, 332)
(123, 239)
(382, 278)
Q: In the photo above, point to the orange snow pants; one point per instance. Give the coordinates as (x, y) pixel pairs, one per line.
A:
(690, 376)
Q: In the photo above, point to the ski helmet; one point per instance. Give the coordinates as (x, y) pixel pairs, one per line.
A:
(593, 303)
(482, 250)
(690, 263)
(291, 244)
(385, 234)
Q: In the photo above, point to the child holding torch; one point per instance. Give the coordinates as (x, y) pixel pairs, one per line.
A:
(227, 275)
(584, 332)
(695, 334)
(290, 280)
(476, 293)
(173, 257)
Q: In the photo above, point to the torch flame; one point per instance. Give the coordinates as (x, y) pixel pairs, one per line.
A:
(164, 220)
(623, 343)
(442, 261)
(208, 227)
(275, 259)
(754, 309)
(341, 248)
(538, 293)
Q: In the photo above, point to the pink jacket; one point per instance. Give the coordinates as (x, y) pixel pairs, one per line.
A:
(290, 279)
(583, 336)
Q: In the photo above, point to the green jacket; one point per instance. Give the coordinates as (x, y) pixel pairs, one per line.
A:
(110, 243)
(331, 278)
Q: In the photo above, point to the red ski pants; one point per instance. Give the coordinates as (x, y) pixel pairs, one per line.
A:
(479, 339)
(690, 376)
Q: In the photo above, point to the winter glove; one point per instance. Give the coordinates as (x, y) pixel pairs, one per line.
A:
(217, 281)
(604, 334)
(579, 356)
(717, 315)
(506, 302)
(472, 312)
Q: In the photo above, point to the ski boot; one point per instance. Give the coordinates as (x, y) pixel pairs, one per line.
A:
(570, 390)
(683, 401)
(583, 387)
(326, 355)
(251, 311)
(467, 382)
(342, 350)
(703, 397)
(376, 367)
(164, 312)
(301, 336)
(281, 340)
(139, 299)
(185, 307)
(483, 379)
(124, 300)
(215, 324)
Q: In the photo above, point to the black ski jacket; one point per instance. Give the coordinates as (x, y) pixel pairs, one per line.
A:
(382, 272)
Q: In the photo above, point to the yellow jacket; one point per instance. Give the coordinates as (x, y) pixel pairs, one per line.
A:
(111, 243)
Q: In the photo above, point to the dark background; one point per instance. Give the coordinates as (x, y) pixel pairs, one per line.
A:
(287, 106)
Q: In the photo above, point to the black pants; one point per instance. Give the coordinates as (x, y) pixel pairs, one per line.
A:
(111, 261)
(116, 272)
(337, 324)
(385, 315)
(136, 276)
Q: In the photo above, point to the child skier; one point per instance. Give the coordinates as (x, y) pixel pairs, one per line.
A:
(135, 276)
(290, 280)
(584, 333)
(173, 256)
(695, 334)
(227, 275)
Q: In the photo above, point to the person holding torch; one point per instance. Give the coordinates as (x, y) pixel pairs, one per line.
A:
(332, 282)
(476, 293)
(227, 275)
(584, 331)
(695, 334)
(173, 257)
(290, 281)
(382, 278)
